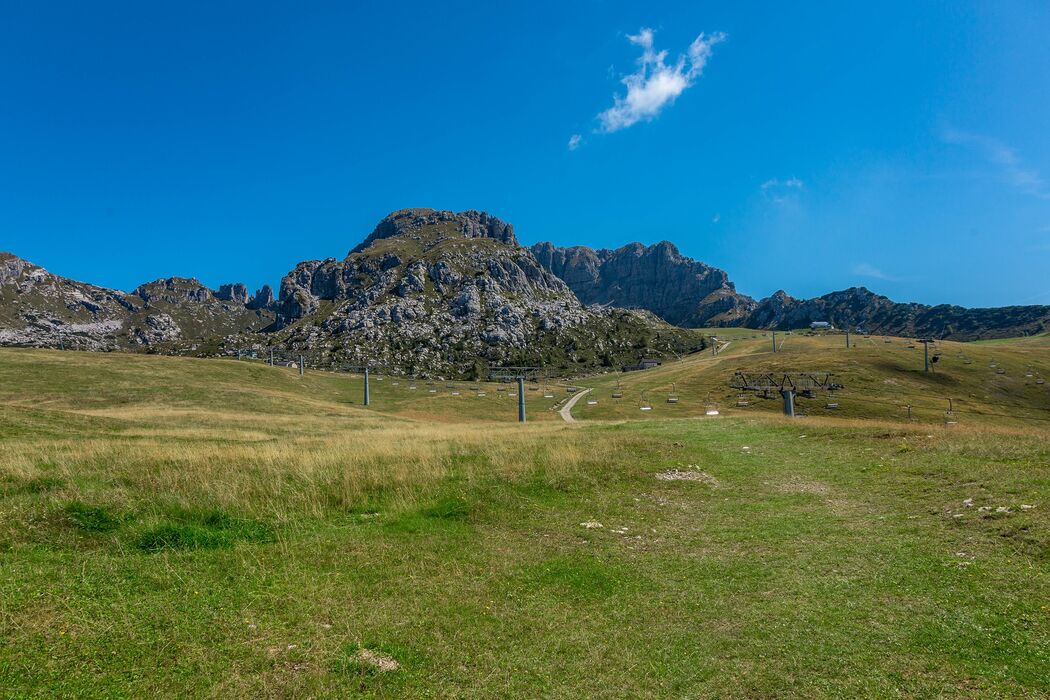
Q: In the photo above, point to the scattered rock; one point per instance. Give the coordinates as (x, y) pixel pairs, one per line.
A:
(591, 525)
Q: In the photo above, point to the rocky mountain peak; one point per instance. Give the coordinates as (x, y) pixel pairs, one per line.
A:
(466, 224)
(174, 290)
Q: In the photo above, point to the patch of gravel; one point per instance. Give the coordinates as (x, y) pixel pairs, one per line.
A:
(380, 662)
(690, 473)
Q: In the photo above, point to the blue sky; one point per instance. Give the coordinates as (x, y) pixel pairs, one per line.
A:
(804, 146)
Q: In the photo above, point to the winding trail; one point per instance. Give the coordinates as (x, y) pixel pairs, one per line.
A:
(566, 411)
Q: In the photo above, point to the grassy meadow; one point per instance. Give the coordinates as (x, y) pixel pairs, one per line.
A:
(205, 528)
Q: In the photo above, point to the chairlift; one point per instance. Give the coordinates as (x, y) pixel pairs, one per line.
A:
(1000, 370)
(646, 406)
(831, 406)
(548, 393)
(673, 396)
(570, 390)
(618, 391)
(1040, 380)
(592, 402)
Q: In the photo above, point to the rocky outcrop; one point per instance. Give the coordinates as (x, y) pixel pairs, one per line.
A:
(236, 293)
(263, 298)
(658, 278)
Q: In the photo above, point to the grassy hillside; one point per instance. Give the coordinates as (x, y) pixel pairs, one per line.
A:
(882, 376)
(192, 528)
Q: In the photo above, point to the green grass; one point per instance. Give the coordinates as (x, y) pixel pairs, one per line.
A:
(159, 539)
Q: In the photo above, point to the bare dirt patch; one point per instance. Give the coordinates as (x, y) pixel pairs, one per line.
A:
(377, 660)
(690, 473)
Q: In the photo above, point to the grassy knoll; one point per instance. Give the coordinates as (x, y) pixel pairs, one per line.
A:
(182, 528)
(882, 376)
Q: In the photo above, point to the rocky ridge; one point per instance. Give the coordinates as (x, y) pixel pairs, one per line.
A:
(40, 309)
(691, 294)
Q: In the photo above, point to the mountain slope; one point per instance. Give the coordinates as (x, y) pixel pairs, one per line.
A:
(40, 309)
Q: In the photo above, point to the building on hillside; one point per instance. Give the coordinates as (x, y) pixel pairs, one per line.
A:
(821, 326)
(645, 363)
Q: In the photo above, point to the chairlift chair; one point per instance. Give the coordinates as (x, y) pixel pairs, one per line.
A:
(592, 402)
(673, 396)
(645, 406)
(617, 392)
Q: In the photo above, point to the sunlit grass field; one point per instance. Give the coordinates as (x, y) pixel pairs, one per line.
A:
(988, 384)
(192, 528)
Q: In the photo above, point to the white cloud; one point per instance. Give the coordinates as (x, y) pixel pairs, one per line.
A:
(716, 218)
(655, 84)
(1005, 158)
(869, 270)
(781, 191)
(574, 142)
(792, 183)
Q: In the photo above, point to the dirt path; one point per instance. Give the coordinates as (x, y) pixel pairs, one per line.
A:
(566, 410)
